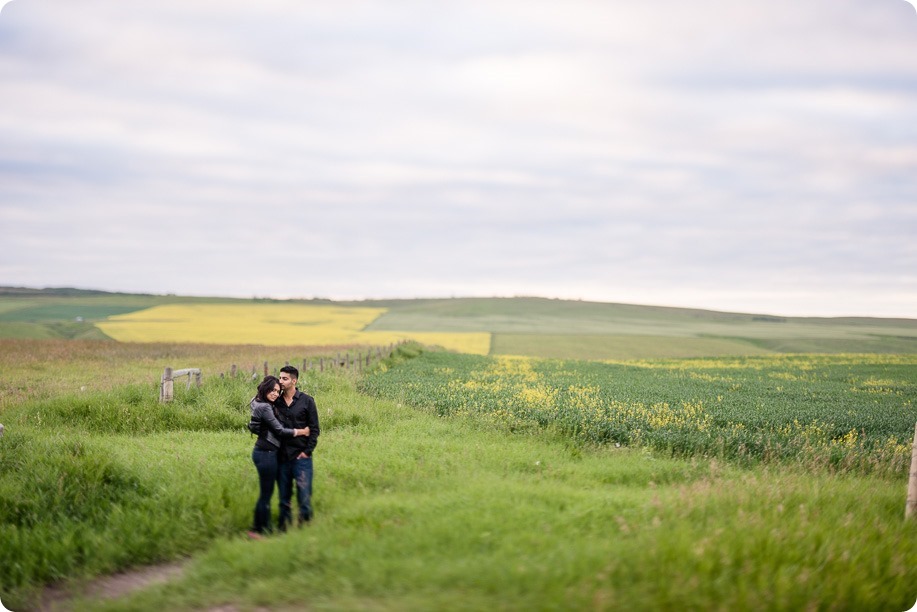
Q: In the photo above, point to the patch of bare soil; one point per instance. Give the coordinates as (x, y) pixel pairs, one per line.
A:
(58, 598)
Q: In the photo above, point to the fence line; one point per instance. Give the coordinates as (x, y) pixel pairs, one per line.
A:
(356, 362)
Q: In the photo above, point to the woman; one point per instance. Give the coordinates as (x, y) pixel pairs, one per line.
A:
(264, 423)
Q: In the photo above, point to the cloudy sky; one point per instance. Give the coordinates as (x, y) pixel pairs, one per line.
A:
(754, 157)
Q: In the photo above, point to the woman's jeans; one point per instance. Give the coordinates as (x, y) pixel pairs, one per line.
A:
(295, 473)
(266, 464)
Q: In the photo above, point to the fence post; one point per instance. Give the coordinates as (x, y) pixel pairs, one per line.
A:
(232, 370)
(910, 511)
(197, 379)
(321, 364)
(265, 368)
(165, 386)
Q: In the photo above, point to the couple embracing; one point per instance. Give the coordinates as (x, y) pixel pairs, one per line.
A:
(286, 421)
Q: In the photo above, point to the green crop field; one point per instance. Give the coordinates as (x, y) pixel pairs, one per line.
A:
(854, 411)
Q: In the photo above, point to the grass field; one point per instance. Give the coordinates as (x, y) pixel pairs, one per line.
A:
(418, 511)
(626, 346)
(704, 465)
(588, 330)
(499, 326)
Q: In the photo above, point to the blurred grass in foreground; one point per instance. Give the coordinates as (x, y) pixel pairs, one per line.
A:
(416, 511)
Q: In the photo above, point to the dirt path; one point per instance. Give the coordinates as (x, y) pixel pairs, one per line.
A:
(58, 598)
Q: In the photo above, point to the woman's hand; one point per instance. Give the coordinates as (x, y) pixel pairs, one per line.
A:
(301, 432)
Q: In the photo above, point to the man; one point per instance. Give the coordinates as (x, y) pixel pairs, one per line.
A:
(296, 410)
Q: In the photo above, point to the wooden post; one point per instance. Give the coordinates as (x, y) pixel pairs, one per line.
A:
(304, 368)
(910, 511)
(232, 371)
(265, 368)
(321, 364)
(197, 379)
(165, 386)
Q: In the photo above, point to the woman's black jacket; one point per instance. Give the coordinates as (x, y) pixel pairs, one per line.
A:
(265, 424)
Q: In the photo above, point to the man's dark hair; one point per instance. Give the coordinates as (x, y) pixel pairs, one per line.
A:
(266, 386)
(293, 372)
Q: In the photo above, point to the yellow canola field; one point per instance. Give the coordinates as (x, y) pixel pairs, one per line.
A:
(274, 324)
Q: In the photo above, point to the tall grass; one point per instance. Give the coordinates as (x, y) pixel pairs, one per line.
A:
(421, 512)
(91, 483)
(417, 511)
(220, 405)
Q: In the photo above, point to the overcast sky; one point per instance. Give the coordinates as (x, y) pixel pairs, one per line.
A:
(754, 157)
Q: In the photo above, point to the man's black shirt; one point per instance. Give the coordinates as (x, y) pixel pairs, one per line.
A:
(299, 414)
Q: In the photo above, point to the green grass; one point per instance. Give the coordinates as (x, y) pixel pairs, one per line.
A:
(35, 370)
(26, 331)
(66, 311)
(868, 344)
(69, 317)
(415, 511)
(626, 346)
(70, 330)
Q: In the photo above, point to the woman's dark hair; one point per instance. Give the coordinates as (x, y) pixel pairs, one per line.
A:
(266, 386)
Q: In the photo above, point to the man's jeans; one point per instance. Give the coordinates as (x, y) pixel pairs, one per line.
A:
(300, 471)
(266, 464)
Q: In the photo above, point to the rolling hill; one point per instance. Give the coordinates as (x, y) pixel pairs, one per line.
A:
(523, 325)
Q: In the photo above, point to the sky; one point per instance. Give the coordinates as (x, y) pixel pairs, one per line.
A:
(737, 156)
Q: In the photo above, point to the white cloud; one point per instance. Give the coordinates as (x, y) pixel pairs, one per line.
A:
(750, 155)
